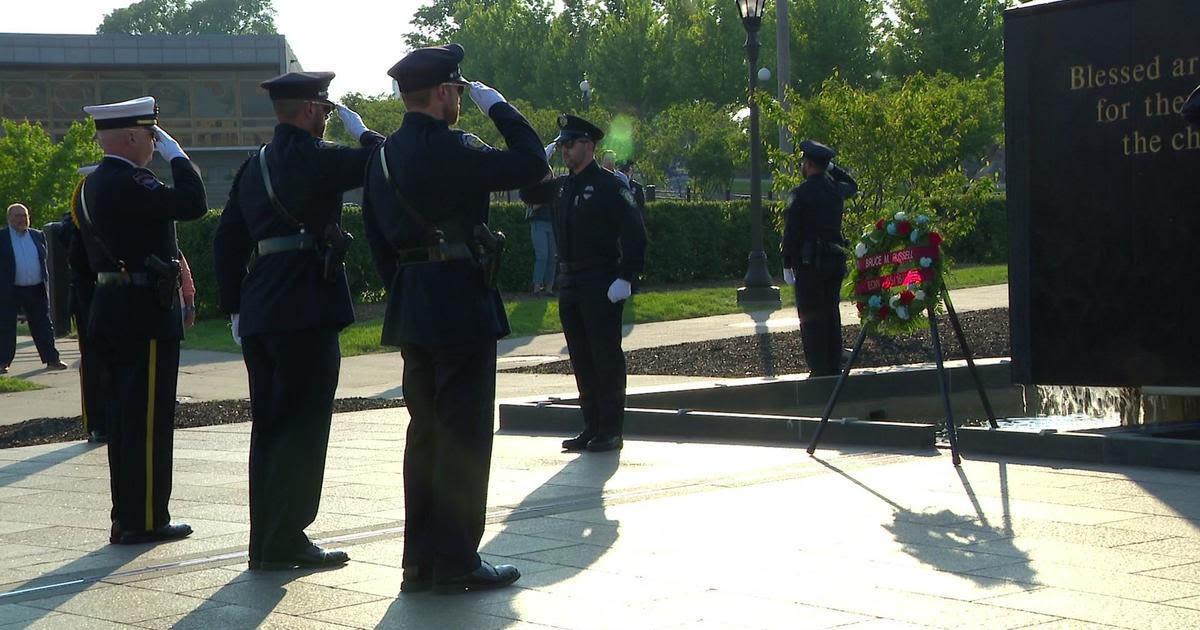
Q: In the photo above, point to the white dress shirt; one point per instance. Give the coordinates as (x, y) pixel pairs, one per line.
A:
(29, 265)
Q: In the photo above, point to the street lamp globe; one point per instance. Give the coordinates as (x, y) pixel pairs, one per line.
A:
(764, 74)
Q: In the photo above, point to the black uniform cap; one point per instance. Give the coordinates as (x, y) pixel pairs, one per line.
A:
(573, 127)
(817, 152)
(300, 86)
(424, 68)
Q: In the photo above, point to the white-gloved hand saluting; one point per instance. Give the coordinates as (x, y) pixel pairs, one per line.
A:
(167, 146)
(789, 276)
(233, 322)
(485, 96)
(551, 149)
(351, 121)
(619, 290)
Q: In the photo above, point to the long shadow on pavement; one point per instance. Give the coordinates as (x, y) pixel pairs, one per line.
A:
(588, 538)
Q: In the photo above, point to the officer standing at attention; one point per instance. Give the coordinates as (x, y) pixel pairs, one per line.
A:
(602, 245)
(135, 323)
(425, 205)
(282, 223)
(814, 260)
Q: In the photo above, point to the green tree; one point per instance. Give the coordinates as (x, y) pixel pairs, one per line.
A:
(960, 37)
(41, 173)
(700, 137)
(194, 17)
(834, 37)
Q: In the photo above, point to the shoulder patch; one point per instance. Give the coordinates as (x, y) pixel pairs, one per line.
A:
(627, 195)
(323, 144)
(473, 142)
(147, 180)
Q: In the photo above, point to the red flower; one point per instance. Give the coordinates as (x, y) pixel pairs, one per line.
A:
(883, 312)
(907, 298)
(904, 228)
(880, 224)
(935, 239)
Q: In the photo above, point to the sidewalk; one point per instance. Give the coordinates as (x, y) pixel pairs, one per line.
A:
(219, 376)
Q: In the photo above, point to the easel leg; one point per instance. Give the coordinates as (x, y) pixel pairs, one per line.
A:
(962, 342)
(837, 390)
(941, 371)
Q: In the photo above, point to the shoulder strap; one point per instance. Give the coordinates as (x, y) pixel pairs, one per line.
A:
(89, 229)
(417, 217)
(266, 177)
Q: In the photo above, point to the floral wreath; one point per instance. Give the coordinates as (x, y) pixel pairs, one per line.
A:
(897, 274)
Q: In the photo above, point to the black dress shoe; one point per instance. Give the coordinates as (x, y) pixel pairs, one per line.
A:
(416, 580)
(601, 443)
(483, 578)
(170, 531)
(97, 437)
(3, 369)
(312, 557)
(578, 443)
(56, 365)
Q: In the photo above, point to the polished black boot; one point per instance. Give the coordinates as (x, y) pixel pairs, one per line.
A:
(483, 578)
(602, 443)
(579, 442)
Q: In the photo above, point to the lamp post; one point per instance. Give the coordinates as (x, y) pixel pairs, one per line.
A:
(758, 285)
(585, 89)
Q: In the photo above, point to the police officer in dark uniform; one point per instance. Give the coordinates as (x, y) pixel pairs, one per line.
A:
(93, 380)
(813, 256)
(425, 205)
(127, 218)
(601, 250)
(636, 187)
(278, 253)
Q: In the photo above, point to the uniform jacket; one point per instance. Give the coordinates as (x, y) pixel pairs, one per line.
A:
(8, 260)
(814, 212)
(134, 214)
(598, 229)
(286, 291)
(447, 177)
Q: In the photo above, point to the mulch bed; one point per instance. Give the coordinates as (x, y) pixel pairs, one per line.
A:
(187, 415)
(782, 352)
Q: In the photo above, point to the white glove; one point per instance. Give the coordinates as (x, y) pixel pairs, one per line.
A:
(789, 276)
(233, 320)
(167, 146)
(485, 96)
(551, 149)
(619, 290)
(351, 121)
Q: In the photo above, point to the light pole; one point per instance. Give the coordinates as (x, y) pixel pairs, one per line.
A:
(585, 89)
(758, 285)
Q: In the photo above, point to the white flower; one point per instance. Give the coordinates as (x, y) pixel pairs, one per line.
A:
(860, 250)
(895, 301)
(901, 216)
(902, 312)
(926, 262)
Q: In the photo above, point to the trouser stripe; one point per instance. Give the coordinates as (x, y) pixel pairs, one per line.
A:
(153, 372)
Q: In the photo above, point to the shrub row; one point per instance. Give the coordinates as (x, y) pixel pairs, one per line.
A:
(688, 242)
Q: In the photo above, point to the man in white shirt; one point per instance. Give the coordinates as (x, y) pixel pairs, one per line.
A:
(23, 284)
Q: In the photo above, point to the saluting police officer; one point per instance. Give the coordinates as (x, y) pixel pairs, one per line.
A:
(814, 259)
(278, 254)
(426, 211)
(127, 220)
(601, 250)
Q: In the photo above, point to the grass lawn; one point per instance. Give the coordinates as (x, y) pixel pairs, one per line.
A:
(530, 316)
(9, 384)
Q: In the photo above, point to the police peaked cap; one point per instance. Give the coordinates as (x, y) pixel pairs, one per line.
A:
(300, 86)
(424, 68)
(573, 127)
(138, 112)
(817, 152)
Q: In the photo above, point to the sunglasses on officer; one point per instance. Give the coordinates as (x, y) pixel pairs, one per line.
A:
(570, 144)
(327, 106)
(457, 86)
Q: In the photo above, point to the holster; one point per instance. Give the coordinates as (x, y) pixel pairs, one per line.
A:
(165, 277)
(488, 248)
(334, 245)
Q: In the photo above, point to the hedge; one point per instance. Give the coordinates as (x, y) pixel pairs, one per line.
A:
(701, 241)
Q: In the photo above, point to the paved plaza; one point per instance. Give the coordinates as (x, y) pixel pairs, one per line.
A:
(662, 534)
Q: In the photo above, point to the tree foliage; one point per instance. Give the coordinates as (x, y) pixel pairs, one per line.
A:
(960, 37)
(41, 173)
(191, 17)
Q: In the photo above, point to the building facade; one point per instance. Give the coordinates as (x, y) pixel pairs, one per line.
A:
(206, 87)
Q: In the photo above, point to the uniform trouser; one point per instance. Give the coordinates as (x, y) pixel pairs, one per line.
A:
(142, 377)
(93, 383)
(592, 326)
(818, 288)
(36, 305)
(450, 392)
(293, 379)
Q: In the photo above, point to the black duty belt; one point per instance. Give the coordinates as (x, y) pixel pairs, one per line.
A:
(434, 253)
(118, 279)
(292, 243)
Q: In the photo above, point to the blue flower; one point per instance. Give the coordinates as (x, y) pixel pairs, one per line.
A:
(916, 236)
(891, 229)
(875, 301)
(922, 219)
